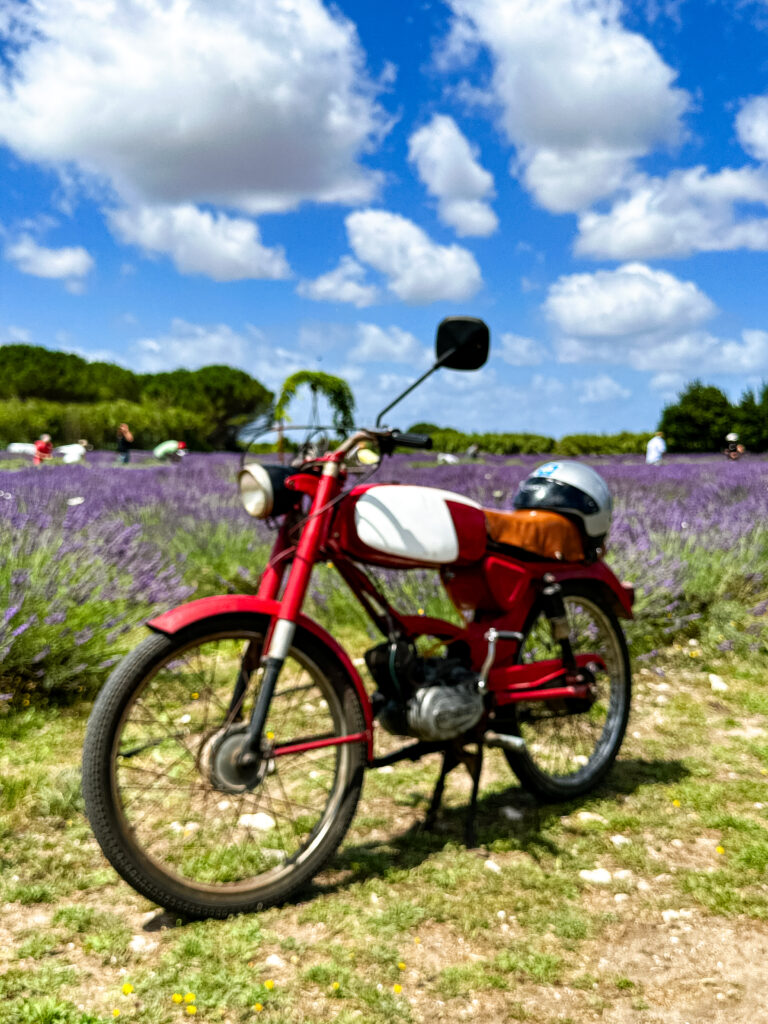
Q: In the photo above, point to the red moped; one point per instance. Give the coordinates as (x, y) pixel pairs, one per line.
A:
(225, 755)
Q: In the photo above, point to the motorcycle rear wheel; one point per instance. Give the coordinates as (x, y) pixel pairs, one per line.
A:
(567, 754)
(167, 811)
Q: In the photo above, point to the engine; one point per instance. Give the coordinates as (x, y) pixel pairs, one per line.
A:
(429, 698)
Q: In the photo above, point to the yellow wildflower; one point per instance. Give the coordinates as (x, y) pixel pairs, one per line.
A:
(335, 986)
(191, 1009)
(257, 1007)
(127, 988)
(189, 997)
(195, 696)
(720, 849)
(269, 984)
(417, 940)
(115, 1012)
(675, 803)
(177, 997)
(397, 989)
(401, 965)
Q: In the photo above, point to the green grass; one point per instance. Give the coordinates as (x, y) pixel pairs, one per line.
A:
(686, 787)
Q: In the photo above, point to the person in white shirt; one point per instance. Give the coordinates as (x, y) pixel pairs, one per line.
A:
(655, 449)
(73, 453)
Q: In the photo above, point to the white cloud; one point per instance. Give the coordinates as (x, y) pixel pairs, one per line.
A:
(576, 90)
(689, 211)
(343, 284)
(387, 345)
(70, 264)
(752, 127)
(12, 335)
(668, 384)
(256, 105)
(631, 301)
(601, 389)
(419, 271)
(191, 346)
(447, 165)
(649, 320)
(519, 351)
(224, 248)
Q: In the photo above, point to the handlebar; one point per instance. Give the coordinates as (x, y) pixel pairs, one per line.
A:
(411, 440)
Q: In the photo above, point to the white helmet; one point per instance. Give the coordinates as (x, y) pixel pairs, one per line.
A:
(573, 489)
(731, 437)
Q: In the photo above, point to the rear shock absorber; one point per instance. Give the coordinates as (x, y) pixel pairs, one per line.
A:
(554, 609)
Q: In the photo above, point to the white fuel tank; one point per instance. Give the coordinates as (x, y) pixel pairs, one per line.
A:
(418, 525)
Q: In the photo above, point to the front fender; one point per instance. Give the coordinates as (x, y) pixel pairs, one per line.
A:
(185, 615)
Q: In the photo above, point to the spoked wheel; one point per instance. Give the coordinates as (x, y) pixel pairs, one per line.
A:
(571, 744)
(171, 809)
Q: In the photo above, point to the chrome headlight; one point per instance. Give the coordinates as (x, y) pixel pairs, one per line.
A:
(263, 491)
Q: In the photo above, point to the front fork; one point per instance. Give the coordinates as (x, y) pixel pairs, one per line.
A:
(284, 627)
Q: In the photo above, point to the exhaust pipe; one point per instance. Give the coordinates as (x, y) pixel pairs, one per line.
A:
(515, 744)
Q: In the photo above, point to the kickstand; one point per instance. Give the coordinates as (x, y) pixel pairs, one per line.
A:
(449, 763)
(452, 758)
(474, 763)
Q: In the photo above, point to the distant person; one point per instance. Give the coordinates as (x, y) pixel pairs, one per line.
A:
(74, 453)
(170, 451)
(43, 450)
(654, 450)
(733, 450)
(473, 451)
(124, 442)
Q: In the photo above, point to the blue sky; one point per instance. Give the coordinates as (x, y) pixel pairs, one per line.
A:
(287, 184)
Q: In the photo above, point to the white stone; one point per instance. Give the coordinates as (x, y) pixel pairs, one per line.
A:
(589, 816)
(642, 885)
(623, 874)
(387, 769)
(273, 960)
(261, 821)
(758, 807)
(621, 897)
(223, 805)
(374, 898)
(491, 865)
(677, 843)
(142, 944)
(501, 914)
(512, 813)
(717, 684)
(620, 840)
(599, 876)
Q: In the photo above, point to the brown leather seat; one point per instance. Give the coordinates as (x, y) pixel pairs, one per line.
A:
(536, 531)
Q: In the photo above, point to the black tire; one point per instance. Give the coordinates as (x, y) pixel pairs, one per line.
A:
(568, 754)
(160, 815)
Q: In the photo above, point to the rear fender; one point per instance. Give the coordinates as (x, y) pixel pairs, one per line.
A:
(620, 596)
(177, 619)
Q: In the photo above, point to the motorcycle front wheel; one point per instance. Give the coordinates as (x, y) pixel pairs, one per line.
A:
(570, 745)
(169, 808)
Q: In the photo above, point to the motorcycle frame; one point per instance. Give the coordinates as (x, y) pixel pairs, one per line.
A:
(285, 581)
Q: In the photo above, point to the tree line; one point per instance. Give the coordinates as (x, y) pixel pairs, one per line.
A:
(65, 395)
(702, 415)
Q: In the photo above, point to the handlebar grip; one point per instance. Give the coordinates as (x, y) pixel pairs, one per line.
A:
(411, 440)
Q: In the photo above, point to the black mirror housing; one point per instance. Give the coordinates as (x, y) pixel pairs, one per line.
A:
(462, 343)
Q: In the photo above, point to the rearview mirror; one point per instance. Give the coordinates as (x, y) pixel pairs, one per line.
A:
(462, 343)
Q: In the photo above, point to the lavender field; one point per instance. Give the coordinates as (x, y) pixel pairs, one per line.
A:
(645, 902)
(88, 552)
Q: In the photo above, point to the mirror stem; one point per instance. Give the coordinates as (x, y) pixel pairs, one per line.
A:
(436, 366)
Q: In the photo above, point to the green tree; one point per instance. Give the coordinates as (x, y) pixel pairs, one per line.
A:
(751, 422)
(699, 420)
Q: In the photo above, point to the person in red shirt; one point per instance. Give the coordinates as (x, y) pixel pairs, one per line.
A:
(43, 449)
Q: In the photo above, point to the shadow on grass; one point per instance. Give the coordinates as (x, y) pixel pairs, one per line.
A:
(511, 817)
